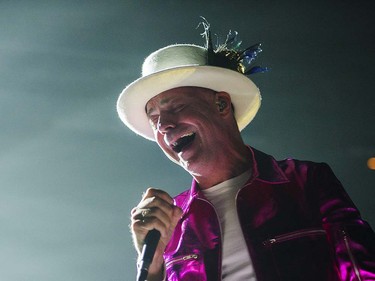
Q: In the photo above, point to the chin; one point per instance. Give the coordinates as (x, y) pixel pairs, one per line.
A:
(173, 158)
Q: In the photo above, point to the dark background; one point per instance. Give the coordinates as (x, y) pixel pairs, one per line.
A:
(70, 171)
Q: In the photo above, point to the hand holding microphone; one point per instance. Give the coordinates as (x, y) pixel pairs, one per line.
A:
(153, 222)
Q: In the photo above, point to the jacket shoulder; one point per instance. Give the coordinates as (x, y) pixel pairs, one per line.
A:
(290, 168)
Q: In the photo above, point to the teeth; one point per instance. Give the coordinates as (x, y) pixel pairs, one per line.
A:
(183, 136)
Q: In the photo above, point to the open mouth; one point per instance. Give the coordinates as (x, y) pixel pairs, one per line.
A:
(182, 142)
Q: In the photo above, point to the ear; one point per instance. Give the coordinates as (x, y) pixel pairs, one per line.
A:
(223, 103)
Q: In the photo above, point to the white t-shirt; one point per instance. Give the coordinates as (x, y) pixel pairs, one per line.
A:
(236, 263)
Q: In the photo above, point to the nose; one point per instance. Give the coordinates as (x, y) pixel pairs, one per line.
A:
(166, 122)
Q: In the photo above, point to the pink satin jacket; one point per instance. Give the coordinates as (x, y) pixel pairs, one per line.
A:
(297, 220)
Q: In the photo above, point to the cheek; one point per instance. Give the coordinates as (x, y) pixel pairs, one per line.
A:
(159, 140)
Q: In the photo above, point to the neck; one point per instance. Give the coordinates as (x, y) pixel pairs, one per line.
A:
(235, 163)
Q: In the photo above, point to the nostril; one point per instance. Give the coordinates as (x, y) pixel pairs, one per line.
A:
(164, 125)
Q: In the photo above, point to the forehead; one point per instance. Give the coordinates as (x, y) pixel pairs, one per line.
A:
(185, 94)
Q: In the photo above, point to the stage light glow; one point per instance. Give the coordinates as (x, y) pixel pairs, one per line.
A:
(371, 163)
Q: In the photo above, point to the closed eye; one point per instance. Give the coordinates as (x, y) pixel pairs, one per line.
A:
(154, 119)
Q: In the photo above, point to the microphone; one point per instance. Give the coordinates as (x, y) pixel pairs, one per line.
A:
(148, 251)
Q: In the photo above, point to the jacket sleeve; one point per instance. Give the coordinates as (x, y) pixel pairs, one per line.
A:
(351, 237)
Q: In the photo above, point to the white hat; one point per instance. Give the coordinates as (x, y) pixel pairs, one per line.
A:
(184, 65)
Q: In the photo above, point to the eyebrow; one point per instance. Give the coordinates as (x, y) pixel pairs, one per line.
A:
(161, 102)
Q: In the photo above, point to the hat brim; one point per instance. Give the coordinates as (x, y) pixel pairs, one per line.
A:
(131, 103)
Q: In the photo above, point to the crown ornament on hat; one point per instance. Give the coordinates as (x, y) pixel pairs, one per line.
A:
(228, 54)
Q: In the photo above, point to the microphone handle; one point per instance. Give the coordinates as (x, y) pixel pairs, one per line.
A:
(142, 274)
(148, 251)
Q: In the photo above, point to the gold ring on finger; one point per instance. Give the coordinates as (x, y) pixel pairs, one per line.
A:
(145, 212)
